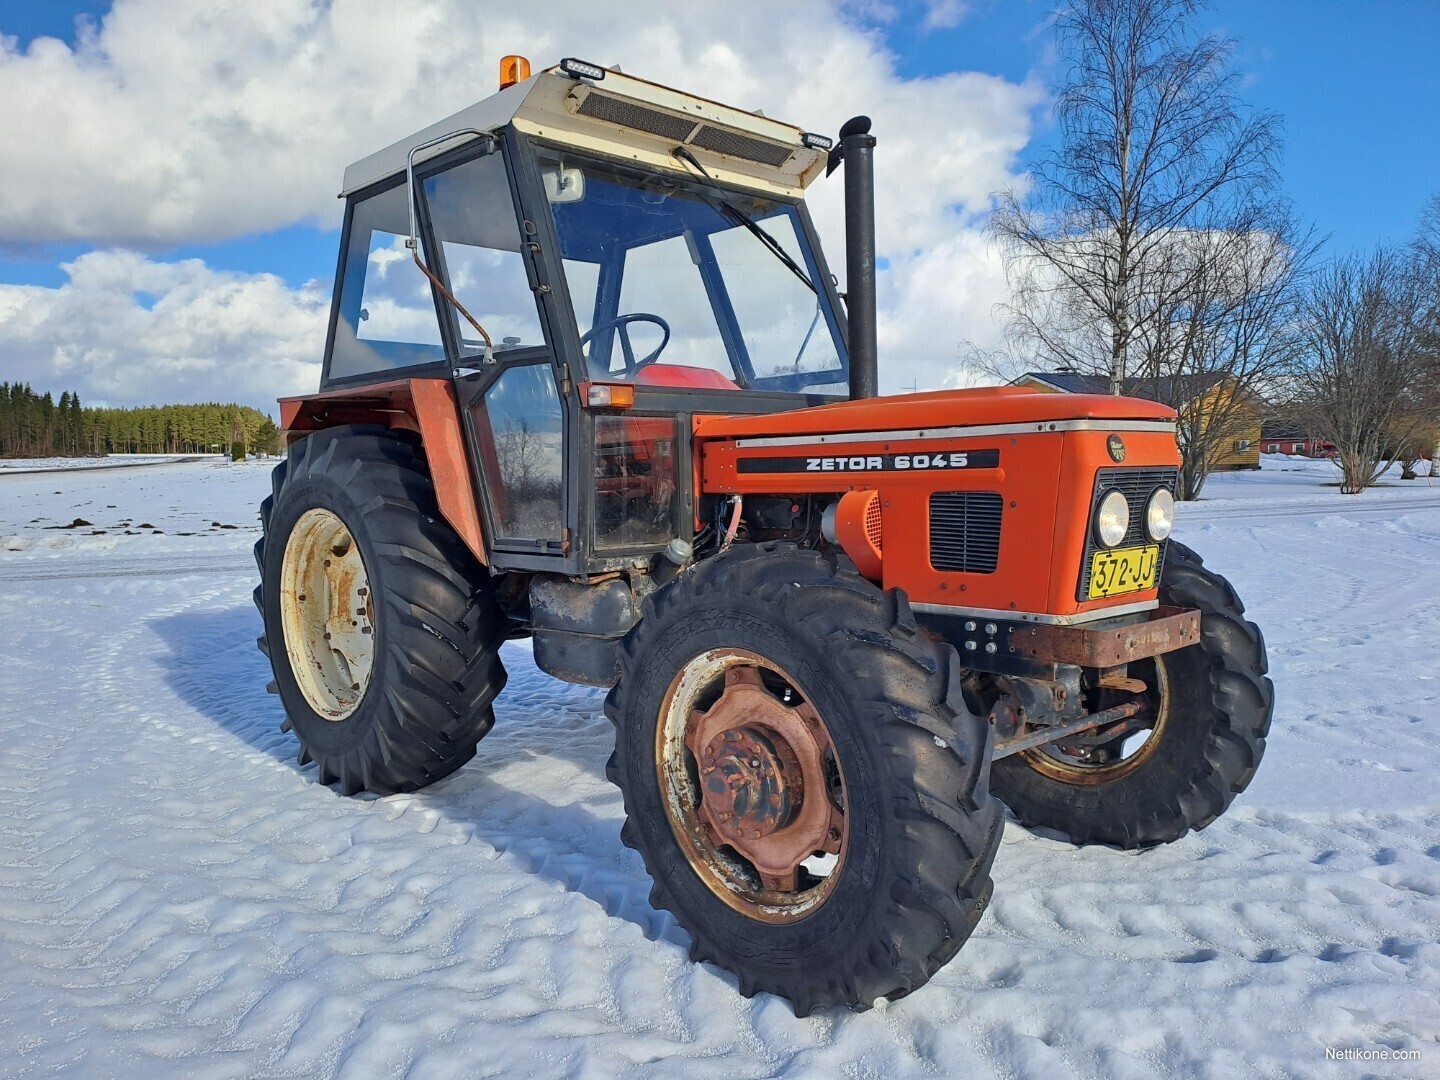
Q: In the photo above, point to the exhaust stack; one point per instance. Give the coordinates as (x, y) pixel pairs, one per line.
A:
(857, 150)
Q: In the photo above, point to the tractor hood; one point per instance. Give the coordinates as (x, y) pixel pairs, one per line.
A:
(1017, 409)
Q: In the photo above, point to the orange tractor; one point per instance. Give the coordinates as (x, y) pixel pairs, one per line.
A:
(588, 381)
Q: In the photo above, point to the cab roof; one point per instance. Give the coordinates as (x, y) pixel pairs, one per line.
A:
(623, 116)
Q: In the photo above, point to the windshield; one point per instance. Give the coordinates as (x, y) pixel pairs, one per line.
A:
(670, 287)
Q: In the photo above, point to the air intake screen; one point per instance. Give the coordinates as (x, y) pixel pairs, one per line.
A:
(723, 141)
(628, 114)
(965, 531)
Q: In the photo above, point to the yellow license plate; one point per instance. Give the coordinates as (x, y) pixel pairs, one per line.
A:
(1123, 570)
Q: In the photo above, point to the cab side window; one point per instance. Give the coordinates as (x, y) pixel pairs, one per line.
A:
(386, 315)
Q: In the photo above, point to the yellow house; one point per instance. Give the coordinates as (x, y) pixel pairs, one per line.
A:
(1195, 397)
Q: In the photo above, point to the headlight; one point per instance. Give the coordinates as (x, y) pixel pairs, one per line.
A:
(1160, 515)
(1112, 521)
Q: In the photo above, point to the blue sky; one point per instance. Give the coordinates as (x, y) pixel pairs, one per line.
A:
(1357, 84)
(167, 216)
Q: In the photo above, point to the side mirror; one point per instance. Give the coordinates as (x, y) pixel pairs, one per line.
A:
(564, 184)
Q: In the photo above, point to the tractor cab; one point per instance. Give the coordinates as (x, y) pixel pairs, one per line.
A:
(591, 260)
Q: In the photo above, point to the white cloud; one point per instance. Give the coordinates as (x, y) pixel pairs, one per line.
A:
(176, 122)
(945, 14)
(126, 330)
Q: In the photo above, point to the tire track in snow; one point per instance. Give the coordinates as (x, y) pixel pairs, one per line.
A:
(150, 566)
(1201, 514)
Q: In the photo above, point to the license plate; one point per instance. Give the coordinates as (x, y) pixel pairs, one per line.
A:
(1123, 570)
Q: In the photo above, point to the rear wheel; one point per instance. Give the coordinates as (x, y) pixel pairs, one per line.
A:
(381, 628)
(1198, 741)
(803, 778)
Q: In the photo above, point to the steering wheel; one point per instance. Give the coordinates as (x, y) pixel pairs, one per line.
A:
(622, 323)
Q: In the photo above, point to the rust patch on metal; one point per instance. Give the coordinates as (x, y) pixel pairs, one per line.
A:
(1167, 629)
(757, 758)
(1050, 733)
(764, 792)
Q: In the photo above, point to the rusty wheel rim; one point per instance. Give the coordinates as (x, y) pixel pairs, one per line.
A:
(1052, 762)
(327, 615)
(752, 785)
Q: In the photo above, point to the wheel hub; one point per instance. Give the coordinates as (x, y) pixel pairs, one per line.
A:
(758, 759)
(327, 614)
(753, 784)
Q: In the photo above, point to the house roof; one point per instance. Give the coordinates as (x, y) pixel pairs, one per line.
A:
(1172, 390)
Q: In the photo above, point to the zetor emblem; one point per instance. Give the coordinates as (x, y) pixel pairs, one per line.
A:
(1116, 446)
(941, 459)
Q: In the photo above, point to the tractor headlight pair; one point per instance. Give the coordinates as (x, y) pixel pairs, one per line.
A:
(1112, 519)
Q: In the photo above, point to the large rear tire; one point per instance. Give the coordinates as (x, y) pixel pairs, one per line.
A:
(803, 778)
(381, 627)
(1211, 709)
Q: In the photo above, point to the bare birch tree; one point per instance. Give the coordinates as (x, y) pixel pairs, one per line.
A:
(1426, 250)
(1362, 382)
(1152, 244)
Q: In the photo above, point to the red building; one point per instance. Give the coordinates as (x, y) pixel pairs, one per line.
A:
(1295, 442)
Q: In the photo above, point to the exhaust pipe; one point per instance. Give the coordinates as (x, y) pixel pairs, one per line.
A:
(857, 150)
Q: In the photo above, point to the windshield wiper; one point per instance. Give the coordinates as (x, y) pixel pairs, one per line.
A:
(730, 210)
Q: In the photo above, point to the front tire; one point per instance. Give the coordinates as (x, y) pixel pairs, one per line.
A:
(1212, 709)
(803, 778)
(381, 627)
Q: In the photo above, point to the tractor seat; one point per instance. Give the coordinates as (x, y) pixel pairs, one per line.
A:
(696, 378)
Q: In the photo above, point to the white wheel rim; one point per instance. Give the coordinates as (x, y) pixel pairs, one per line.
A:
(327, 614)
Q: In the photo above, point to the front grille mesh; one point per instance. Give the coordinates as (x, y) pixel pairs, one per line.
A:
(627, 114)
(735, 144)
(965, 531)
(1136, 485)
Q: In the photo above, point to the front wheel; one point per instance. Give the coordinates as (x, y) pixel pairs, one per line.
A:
(1209, 708)
(803, 778)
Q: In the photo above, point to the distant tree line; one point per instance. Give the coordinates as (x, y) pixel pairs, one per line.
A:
(36, 425)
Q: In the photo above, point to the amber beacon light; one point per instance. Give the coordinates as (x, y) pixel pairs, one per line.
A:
(513, 69)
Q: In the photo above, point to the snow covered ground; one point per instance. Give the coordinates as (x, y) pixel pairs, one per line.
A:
(178, 898)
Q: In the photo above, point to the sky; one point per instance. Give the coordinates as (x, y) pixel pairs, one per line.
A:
(168, 221)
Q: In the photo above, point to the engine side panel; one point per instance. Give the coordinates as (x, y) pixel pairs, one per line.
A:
(1032, 480)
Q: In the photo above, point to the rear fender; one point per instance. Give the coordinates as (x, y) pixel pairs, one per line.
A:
(425, 406)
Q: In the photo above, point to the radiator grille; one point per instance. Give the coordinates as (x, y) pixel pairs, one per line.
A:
(965, 531)
(735, 144)
(627, 114)
(1136, 485)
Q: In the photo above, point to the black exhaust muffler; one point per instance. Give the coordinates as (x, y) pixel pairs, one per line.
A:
(857, 151)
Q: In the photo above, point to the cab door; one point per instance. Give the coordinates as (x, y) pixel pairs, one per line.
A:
(510, 393)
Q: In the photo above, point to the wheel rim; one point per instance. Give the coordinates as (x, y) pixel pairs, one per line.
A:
(327, 614)
(1052, 761)
(752, 785)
